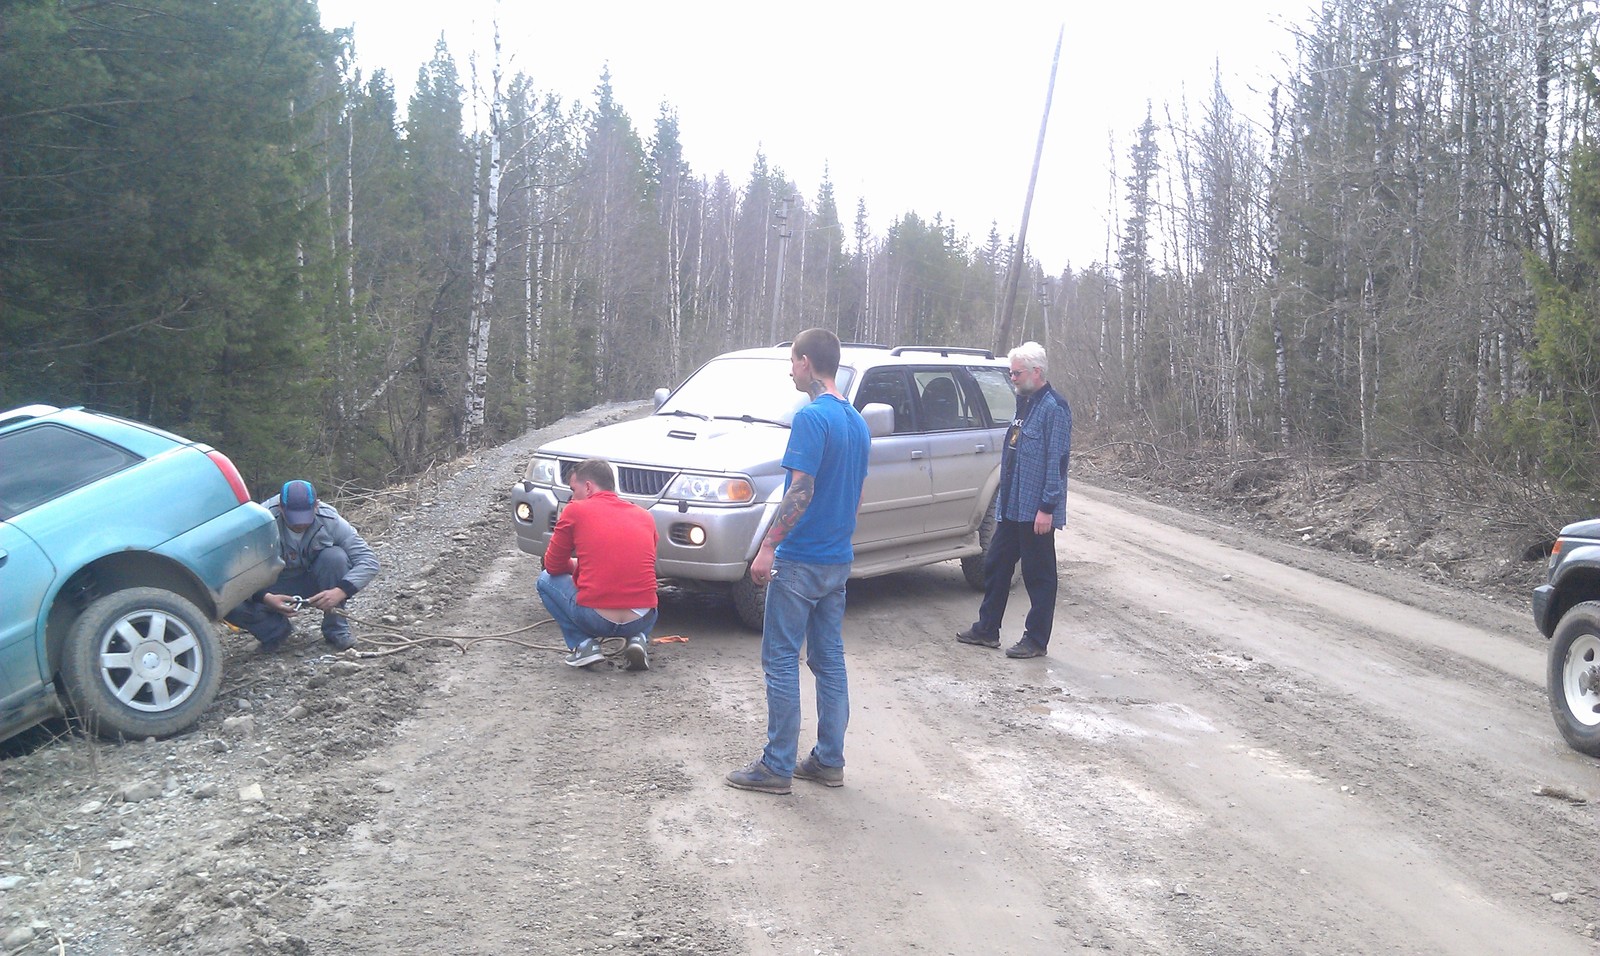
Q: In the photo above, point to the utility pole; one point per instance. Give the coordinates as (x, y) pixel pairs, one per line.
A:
(781, 223)
(1014, 275)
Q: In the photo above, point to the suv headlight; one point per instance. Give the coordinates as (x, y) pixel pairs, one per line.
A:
(713, 489)
(544, 471)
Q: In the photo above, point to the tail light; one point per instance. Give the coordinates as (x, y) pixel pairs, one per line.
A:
(235, 481)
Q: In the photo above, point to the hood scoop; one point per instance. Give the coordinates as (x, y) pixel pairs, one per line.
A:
(680, 433)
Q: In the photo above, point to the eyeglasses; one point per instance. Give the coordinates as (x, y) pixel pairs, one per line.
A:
(1017, 373)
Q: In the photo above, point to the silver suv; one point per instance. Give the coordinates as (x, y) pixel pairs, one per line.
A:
(706, 463)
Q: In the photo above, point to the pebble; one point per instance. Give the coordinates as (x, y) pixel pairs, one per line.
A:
(243, 726)
(91, 808)
(297, 711)
(144, 790)
(21, 936)
(1560, 897)
(383, 786)
(206, 790)
(10, 882)
(251, 793)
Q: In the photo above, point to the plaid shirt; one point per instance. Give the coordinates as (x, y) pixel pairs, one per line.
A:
(1033, 471)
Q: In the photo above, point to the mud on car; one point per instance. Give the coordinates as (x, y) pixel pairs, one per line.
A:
(706, 463)
(120, 545)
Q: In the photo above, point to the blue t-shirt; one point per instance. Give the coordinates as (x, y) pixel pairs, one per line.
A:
(828, 441)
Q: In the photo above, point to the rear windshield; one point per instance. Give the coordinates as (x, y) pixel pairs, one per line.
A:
(47, 461)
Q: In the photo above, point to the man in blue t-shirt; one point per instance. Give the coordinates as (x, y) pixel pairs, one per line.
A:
(804, 562)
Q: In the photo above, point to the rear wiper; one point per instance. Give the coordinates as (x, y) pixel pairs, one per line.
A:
(688, 414)
(754, 419)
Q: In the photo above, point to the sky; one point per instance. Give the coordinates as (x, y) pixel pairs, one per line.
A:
(914, 107)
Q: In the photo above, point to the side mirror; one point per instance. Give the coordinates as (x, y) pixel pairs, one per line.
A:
(879, 418)
(661, 395)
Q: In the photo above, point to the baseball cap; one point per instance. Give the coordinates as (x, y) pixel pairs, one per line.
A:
(299, 502)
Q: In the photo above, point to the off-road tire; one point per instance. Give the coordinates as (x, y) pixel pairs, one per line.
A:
(1574, 677)
(140, 663)
(972, 564)
(750, 602)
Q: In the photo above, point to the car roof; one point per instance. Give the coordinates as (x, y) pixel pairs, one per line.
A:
(137, 437)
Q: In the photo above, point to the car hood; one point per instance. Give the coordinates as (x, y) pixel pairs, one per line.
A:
(678, 442)
(1583, 529)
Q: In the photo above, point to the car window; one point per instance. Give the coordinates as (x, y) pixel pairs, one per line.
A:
(944, 403)
(997, 393)
(887, 386)
(47, 461)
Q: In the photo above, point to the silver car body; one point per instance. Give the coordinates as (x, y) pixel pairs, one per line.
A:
(706, 463)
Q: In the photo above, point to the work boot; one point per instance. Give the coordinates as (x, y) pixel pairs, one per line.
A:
(340, 640)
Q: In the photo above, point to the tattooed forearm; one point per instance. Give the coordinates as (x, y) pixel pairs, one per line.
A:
(794, 504)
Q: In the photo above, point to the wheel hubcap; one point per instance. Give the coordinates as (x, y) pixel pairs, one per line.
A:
(1581, 680)
(150, 660)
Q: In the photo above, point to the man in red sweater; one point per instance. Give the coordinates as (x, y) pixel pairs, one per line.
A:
(599, 578)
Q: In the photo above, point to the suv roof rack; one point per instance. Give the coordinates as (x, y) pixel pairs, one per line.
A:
(843, 345)
(26, 412)
(944, 350)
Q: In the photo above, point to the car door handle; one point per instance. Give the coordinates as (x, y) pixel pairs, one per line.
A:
(916, 454)
(980, 449)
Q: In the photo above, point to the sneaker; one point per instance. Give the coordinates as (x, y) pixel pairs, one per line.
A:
(585, 654)
(342, 641)
(637, 653)
(810, 769)
(971, 636)
(1024, 648)
(758, 778)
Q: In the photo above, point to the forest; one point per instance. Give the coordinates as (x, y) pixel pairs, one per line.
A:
(211, 219)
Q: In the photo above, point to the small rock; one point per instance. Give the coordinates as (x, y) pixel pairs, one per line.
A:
(243, 703)
(296, 712)
(389, 619)
(116, 846)
(1270, 697)
(1179, 889)
(21, 936)
(1227, 577)
(251, 793)
(91, 808)
(243, 726)
(206, 790)
(144, 790)
(383, 786)
(219, 746)
(10, 882)
(1560, 897)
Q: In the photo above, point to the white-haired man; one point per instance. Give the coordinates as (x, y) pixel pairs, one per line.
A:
(1030, 506)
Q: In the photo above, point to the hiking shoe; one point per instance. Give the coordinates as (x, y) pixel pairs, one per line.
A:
(273, 646)
(1024, 648)
(342, 641)
(758, 778)
(585, 654)
(637, 653)
(971, 636)
(810, 769)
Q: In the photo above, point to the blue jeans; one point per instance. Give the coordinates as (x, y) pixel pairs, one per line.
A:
(270, 627)
(805, 603)
(579, 623)
(1015, 541)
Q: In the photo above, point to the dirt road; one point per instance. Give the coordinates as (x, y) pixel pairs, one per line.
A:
(1235, 746)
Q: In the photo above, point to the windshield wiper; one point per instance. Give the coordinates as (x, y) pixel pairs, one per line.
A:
(688, 414)
(754, 419)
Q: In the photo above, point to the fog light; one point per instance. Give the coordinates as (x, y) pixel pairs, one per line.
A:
(524, 513)
(697, 535)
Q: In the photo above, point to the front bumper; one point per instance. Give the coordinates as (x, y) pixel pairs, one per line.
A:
(732, 534)
(1544, 597)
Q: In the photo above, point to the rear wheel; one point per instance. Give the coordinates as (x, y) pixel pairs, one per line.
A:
(1574, 677)
(750, 602)
(141, 663)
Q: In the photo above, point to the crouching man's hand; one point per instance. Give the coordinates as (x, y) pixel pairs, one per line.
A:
(327, 600)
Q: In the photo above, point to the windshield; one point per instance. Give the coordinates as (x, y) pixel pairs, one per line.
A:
(735, 387)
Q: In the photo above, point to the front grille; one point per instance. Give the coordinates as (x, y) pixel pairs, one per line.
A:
(644, 482)
(639, 482)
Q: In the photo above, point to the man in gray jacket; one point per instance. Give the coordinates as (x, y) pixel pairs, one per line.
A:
(325, 563)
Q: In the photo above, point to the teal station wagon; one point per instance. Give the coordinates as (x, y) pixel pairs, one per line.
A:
(120, 544)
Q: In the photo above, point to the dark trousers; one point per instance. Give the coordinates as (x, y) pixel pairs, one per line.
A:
(1014, 541)
(272, 628)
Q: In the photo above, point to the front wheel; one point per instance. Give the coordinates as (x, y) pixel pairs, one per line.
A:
(1574, 677)
(972, 564)
(750, 602)
(141, 663)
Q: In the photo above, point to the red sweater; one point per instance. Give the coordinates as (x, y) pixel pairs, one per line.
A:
(614, 542)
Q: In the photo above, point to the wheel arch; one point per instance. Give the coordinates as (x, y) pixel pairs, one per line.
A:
(117, 572)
